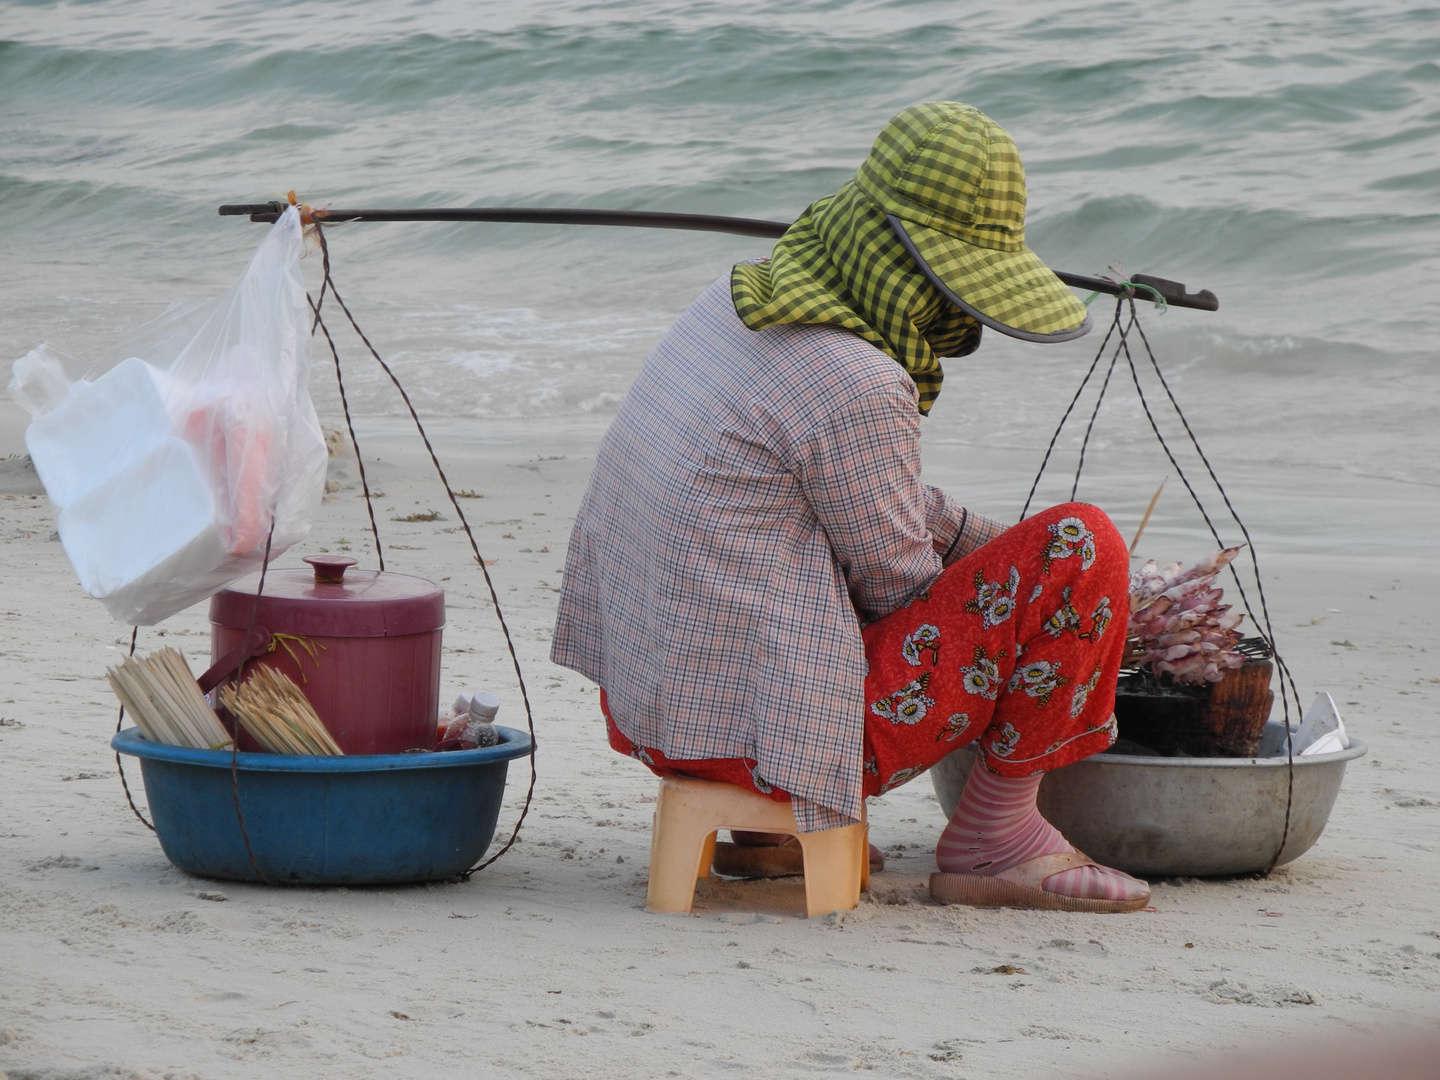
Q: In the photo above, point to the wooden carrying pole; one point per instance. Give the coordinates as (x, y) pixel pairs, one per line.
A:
(1172, 292)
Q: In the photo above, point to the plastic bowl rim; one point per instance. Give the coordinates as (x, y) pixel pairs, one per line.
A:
(514, 743)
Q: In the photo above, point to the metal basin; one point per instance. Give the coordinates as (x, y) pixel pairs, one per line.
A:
(1175, 816)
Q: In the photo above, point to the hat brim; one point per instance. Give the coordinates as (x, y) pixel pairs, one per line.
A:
(1012, 292)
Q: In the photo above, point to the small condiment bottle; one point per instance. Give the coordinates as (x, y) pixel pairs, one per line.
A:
(473, 725)
(480, 731)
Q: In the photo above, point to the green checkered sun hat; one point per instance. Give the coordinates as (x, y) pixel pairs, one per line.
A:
(920, 250)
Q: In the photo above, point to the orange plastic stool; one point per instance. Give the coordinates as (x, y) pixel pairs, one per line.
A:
(688, 812)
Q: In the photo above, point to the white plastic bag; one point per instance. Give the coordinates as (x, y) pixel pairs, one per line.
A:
(170, 468)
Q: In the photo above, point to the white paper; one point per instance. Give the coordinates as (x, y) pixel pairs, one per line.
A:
(1321, 730)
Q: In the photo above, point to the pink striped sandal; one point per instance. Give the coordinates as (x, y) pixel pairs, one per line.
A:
(1020, 887)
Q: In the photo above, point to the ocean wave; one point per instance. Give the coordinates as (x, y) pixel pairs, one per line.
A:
(1256, 244)
(1281, 156)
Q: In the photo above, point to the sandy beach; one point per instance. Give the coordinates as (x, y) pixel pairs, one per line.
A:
(115, 964)
(1281, 155)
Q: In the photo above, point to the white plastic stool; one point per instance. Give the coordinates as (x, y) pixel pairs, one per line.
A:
(688, 813)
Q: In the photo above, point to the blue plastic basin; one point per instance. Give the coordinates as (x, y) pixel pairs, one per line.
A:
(353, 820)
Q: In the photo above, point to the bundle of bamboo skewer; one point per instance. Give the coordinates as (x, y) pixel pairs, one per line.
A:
(275, 711)
(164, 700)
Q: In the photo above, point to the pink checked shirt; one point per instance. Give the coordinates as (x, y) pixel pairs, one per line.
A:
(756, 498)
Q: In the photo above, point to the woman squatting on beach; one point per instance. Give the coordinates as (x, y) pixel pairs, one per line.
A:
(768, 595)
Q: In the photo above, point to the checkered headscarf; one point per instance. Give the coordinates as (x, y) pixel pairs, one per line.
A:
(841, 264)
(949, 180)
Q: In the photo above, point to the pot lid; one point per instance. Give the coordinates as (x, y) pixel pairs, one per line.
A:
(332, 600)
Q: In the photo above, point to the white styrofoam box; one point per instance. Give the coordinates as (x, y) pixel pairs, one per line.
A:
(140, 518)
(170, 585)
(97, 430)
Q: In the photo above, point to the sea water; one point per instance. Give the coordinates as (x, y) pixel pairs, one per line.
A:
(1285, 155)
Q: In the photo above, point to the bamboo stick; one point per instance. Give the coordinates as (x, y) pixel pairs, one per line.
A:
(278, 715)
(163, 699)
(193, 704)
(183, 691)
(162, 690)
(140, 716)
(1146, 519)
(131, 675)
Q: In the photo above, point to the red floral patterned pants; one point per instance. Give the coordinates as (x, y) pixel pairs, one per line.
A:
(1016, 647)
